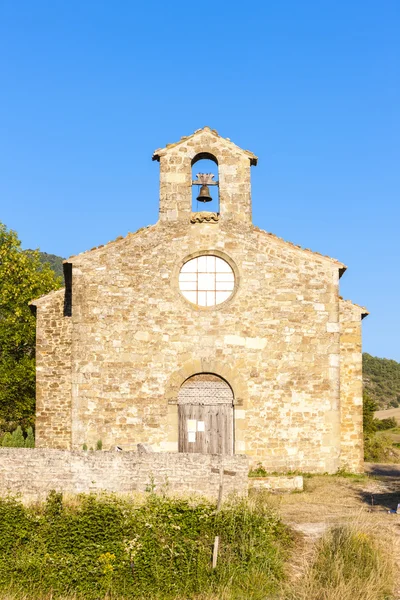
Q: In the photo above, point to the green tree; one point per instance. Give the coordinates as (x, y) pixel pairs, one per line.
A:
(22, 278)
(55, 262)
(382, 380)
(30, 439)
(18, 440)
(369, 407)
(7, 440)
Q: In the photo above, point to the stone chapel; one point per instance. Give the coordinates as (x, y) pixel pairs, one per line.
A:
(203, 333)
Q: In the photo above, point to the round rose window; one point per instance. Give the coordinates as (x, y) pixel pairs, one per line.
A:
(206, 280)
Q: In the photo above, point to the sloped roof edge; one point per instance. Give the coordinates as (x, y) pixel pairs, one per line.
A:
(38, 301)
(341, 266)
(161, 151)
(363, 310)
(110, 243)
(67, 260)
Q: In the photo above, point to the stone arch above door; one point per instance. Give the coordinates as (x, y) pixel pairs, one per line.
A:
(194, 367)
(198, 366)
(205, 388)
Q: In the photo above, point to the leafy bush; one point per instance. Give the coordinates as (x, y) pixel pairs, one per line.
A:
(383, 424)
(379, 448)
(161, 548)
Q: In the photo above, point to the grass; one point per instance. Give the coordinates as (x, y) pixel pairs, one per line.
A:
(342, 547)
(350, 562)
(261, 471)
(351, 515)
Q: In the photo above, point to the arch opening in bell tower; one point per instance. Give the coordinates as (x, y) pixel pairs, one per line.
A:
(205, 183)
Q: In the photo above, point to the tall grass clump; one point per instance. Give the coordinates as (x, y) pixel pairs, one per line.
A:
(160, 547)
(349, 564)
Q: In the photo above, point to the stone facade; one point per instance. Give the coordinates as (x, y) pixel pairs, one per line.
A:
(285, 342)
(34, 472)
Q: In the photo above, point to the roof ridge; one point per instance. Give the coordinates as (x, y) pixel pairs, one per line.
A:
(184, 138)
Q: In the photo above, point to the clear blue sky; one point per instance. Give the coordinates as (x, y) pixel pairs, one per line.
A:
(90, 88)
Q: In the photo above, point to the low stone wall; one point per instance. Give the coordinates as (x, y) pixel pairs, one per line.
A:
(34, 472)
(277, 483)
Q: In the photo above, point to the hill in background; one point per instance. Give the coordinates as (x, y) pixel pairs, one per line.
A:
(381, 376)
(55, 262)
(382, 380)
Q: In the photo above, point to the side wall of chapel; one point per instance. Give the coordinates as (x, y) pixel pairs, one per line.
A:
(53, 373)
(351, 388)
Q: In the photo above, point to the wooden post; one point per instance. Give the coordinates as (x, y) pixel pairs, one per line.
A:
(219, 502)
(215, 551)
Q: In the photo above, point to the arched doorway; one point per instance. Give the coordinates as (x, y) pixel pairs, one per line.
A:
(205, 409)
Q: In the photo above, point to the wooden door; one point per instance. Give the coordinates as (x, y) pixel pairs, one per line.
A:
(205, 409)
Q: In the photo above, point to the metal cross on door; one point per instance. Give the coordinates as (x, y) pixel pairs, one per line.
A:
(205, 409)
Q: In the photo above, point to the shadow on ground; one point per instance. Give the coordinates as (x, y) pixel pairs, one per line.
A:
(385, 500)
(385, 494)
(385, 469)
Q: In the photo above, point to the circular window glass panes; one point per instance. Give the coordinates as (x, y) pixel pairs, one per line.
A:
(206, 280)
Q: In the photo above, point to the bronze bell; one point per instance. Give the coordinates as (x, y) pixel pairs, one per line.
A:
(204, 195)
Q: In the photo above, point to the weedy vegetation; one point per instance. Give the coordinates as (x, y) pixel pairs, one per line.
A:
(109, 547)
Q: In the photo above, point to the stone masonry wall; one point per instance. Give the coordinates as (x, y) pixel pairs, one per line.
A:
(351, 394)
(53, 373)
(135, 338)
(34, 472)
